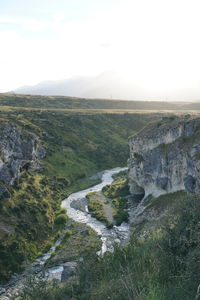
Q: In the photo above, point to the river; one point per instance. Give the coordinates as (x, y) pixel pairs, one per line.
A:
(109, 237)
(118, 235)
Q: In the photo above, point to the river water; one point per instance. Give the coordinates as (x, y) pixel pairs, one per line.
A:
(110, 237)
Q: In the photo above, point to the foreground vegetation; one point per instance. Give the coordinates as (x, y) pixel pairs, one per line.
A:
(161, 265)
(29, 222)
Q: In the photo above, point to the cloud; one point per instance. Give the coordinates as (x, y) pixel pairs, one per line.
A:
(30, 24)
(59, 17)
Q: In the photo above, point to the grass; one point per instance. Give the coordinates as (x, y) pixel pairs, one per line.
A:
(111, 206)
(78, 242)
(33, 205)
(167, 201)
(120, 213)
(119, 188)
(60, 102)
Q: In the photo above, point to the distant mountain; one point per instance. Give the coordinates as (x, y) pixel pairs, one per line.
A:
(107, 85)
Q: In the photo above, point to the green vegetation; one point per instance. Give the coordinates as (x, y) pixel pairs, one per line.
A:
(61, 219)
(120, 213)
(166, 148)
(118, 188)
(111, 211)
(97, 206)
(79, 241)
(163, 265)
(59, 102)
(28, 222)
(118, 191)
(111, 206)
(79, 144)
(167, 201)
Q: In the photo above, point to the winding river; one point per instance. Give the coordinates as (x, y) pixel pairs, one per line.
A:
(118, 235)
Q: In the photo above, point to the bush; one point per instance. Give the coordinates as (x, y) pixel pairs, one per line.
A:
(60, 219)
(67, 234)
(61, 211)
(120, 216)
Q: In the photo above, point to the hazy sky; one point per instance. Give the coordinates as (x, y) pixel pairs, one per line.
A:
(152, 43)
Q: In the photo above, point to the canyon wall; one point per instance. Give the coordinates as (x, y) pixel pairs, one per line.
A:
(165, 157)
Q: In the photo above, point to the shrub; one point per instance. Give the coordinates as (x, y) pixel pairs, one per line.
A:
(68, 233)
(60, 219)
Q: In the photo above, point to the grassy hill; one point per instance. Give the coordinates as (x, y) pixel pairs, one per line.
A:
(61, 102)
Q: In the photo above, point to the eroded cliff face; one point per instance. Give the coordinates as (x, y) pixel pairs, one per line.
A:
(165, 157)
(18, 150)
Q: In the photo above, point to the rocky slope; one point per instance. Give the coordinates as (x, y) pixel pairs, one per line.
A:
(18, 150)
(164, 157)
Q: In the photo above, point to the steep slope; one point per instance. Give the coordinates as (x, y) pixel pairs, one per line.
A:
(27, 200)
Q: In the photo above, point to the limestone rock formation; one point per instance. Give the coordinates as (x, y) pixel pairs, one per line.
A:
(165, 157)
(18, 150)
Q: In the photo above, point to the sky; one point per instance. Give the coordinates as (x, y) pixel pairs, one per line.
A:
(153, 44)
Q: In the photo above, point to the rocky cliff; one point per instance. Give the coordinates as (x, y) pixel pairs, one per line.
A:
(165, 157)
(18, 150)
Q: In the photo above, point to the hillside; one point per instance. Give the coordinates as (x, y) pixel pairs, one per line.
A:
(60, 102)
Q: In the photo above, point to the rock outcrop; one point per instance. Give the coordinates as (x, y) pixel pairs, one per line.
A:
(18, 150)
(165, 157)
